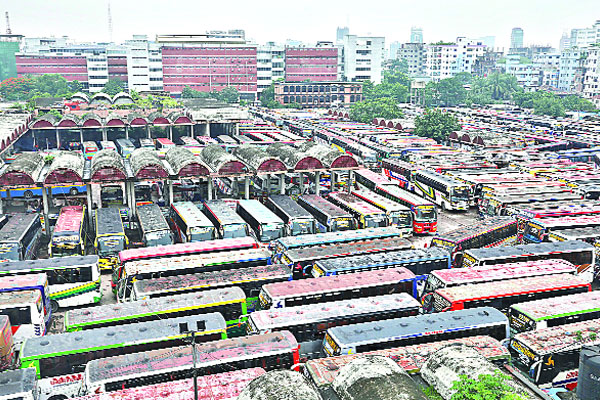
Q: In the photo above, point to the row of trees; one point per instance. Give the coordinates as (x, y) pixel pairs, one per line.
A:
(381, 101)
(546, 103)
(228, 95)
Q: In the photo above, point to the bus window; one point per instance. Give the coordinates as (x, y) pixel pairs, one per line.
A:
(266, 225)
(125, 147)
(89, 149)
(189, 223)
(228, 223)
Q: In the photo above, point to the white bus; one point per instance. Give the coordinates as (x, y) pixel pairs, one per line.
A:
(19, 384)
(72, 281)
(446, 192)
(25, 310)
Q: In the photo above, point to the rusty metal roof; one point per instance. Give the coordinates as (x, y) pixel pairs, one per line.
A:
(145, 164)
(185, 164)
(24, 170)
(65, 167)
(107, 165)
(222, 162)
(257, 158)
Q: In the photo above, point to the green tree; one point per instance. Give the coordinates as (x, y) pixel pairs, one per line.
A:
(267, 95)
(486, 387)
(395, 76)
(436, 124)
(17, 88)
(366, 110)
(447, 92)
(394, 91)
(113, 86)
(229, 95)
(75, 86)
(576, 103)
(53, 84)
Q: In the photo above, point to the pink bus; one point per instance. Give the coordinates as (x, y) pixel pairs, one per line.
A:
(68, 237)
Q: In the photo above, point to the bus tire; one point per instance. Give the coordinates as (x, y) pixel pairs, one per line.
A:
(54, 306)
(73, 191)
(58, 397)
(28, 194)
(444, 206)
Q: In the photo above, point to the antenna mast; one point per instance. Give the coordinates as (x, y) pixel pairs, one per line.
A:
(8, 30)
(110, 24)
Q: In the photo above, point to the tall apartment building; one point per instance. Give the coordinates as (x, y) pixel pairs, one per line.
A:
(416, 35)
(528, 74)
(584, 37)
(340, 33)
(516, 38)
(314, 64)
(565, 42)
(270, 64)
(143, 63)
(394, 47)
(447, 60)
(572, 62)
(415, 56)
(363, 58)
(208, 63)
(591, 79)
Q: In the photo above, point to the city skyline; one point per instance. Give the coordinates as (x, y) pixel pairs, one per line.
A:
(88, 21)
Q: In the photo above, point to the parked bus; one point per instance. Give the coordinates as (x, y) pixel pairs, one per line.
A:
(365, 214)
(37, 282)
(502, 294)
(490, 232)
(331, 288)
(60, 360)
(19, 384)
(419, 262)
(125, 147)
(25, 310)
(297, 220)
(271, 351)
(7, 350)
(423, 212)
(550, 356)
(108, 145)
(370, 179)
(309, 322)
(20, 237)
(266, 225)
(589, 234)
(377, 335)
(499, 204)
(154, 228)
(396, 214)
(332, 238)
(579, 253)
(189, 223)
(230, 302)
(330, 218)
(447, 192)
(110, 236)
(151, 269)
(69, 234)
(89, 149)
(538, 230)
(445, 278)
(72, 281)
(147, 143)
(401, 172)
(224, 386)
(163, 145)
(302, 260)
(228, 223)
(250, 280)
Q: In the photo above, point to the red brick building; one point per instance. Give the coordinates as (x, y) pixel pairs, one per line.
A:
(318, 94)
(315, 64)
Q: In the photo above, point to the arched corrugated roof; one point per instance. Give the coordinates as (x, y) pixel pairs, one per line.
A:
(157, 118)
(101, 98)
(178, 118)
(66, 168)
(80, 96)
(329, 157)
(222, 162)
(257, 158)
(90, 120)
(68, 121)
(122, 98)
(185, 164)
(107, 165)
(115, 120)
(293, 158)
(136, 119)
(45, 121)
(280, 385)
(24, 170)
(145, 164)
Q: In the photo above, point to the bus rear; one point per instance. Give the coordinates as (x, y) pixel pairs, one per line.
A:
(26, 313)
(298, 221)
(397, 215)
(189, 223)
(330, 217)
(153, 226)
(110, 236)
(424, 212)
(228, 223)
(68, 237)
(89, 149)
(366, 214)
(266, 225)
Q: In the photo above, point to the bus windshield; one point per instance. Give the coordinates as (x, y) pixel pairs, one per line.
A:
(302, 226)
(234, 231)
(271, 232)
(200, 233)
(400, 218)
(460, 193)
(110, 245)
(375, 221)
(426, 214)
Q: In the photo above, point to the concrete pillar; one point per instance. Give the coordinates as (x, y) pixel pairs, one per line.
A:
(88, 193)
(81, 134)
(170, 192)
(210, 188)
(148, 131)
(301, 181)
(191, 131)
(268, 181)
(247, 187)
(207, 129)
(317, 182)
(126, 132)
(130, 195)
(282, 184)
(332, 180)
(350, 182)
(170, 132)
(57, 139)
(104, 133)
(45, 205)
(237, 128)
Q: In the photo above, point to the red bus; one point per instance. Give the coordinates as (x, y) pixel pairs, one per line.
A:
(503, 294)
(68, 236)
(400, 172)
(424, 213)
(370, 179)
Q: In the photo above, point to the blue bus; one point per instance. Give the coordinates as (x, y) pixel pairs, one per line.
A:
(36, 191)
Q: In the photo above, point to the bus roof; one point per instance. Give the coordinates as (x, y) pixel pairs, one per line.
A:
(207, 246)
(260, 212)
(567, 222)
(416, 326)
(196, 260)
(223, 386)
(277, 318)
(377, 178)
(337, 282)
(17, 381)
(20, 297)
(526, 249)
(210, 279)
(323, 205)
(223, 212)
(165, 141)
(41, 265)
(210, 353)
(467, 232)
(191, 215)
(496, 272)
(409, 197)
(347, 249)
(324, 370)
(289, 206)
(69, 220)
(317, 239)
(108, 221)
(583, 233)
(156, 306)
(510, 287)
(118, 335)
(151, 218)
(354, 203)
(561, 337)
(379, 201)
(17, 281)
(17, 226)
(445, 179)
(561, 306)
(541, 210)
(381, 259)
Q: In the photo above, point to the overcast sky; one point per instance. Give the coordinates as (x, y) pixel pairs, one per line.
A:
(543, 21)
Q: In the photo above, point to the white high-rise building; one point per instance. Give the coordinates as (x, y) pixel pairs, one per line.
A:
(270, 64)
(416, 35)
(363, 58)
(144, 64)
(591, 79)
(586, 36)
(571, 69)
(446, 60)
